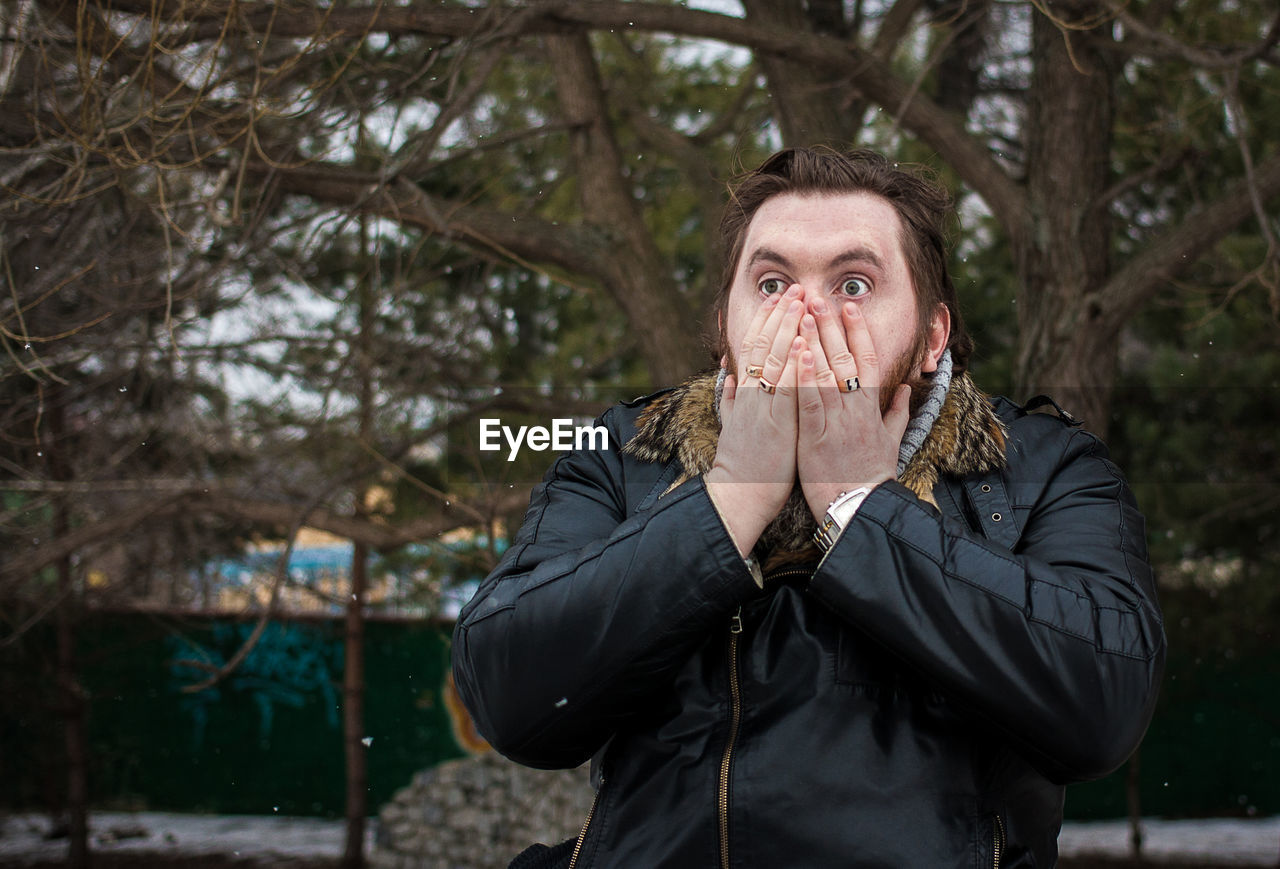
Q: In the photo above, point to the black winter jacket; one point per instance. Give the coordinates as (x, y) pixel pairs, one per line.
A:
(917, 701)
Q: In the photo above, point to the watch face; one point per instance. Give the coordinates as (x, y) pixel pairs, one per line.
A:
(838, 516)
(844, 508)
(843, 512)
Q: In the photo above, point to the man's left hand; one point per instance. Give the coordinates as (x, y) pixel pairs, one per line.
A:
(844, 440)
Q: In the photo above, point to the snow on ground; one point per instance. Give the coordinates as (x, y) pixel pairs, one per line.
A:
(162, 832)
(1227, 841)
(1253, 842)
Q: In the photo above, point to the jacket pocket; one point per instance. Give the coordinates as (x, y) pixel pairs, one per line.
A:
(862, 664)
(858, 663)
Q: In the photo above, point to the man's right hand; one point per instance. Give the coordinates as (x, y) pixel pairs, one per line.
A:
(755, 465)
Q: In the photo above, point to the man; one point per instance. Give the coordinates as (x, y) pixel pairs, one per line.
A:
(832, 607)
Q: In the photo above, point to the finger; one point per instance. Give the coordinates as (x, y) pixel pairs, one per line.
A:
(861, 346)
(899, 413)
(730, 391)
(789, 377)
(754, 329)
(784, 338)
(773, 308)
(758, 348)
(822, 368)
(824, 378)
(809, 400)
(835, 344)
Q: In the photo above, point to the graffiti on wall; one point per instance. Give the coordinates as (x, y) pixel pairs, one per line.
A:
(290, 665)
(464, 728)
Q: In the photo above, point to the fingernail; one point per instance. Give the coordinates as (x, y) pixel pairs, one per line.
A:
(793, 290)
(772, 300)
(818, 306)
(850, 309)
(806, 359)
(796, 306)
(808, 322)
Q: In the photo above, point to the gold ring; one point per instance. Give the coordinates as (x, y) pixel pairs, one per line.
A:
(849, 384)
(755, 370)
(769, 388)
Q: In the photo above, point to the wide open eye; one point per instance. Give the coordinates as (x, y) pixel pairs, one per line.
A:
(773, 286)
(855, 287)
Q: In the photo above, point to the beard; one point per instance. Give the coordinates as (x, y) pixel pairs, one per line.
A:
(792, 530)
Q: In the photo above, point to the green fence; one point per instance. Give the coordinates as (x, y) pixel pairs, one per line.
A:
(269, 737)
(266, 739)
(1213, 747)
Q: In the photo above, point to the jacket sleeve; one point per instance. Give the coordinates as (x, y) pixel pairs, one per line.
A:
(1058, 644)
(591, 610)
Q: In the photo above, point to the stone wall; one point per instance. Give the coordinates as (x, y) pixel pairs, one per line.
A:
(478, 813)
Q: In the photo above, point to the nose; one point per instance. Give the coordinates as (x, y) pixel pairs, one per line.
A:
(807, 295)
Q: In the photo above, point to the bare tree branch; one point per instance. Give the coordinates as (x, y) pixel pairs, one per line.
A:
(1156, 42)
(867, 72)
(279, 576)
(1136, 179)
(273, 514)
(113, 526)
(698, 173)
(895, 25)
(416, 154)
(1143, 276)
(523, 238)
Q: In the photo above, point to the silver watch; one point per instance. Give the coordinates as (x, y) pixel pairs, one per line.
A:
(839, 513)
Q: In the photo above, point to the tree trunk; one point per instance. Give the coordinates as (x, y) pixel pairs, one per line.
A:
(354, 748)
(1065, 348)
(1132, 783)
(71, 701)
(357, 803)
(72, 706)
(813, 106)
(641, 278)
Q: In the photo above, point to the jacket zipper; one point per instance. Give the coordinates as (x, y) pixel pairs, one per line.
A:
(735, 717)
(998, 845)
(582, 834)
(790, 571)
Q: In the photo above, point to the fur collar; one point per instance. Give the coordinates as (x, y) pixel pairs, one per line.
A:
(967, 438)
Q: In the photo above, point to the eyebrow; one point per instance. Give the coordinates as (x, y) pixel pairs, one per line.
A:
(853, 255)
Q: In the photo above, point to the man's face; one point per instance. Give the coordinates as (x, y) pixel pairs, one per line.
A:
(838, 247)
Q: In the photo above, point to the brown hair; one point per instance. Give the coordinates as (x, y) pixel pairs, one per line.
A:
(922, 204)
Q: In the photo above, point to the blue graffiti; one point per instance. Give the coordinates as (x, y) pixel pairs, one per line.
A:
(289, 665)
